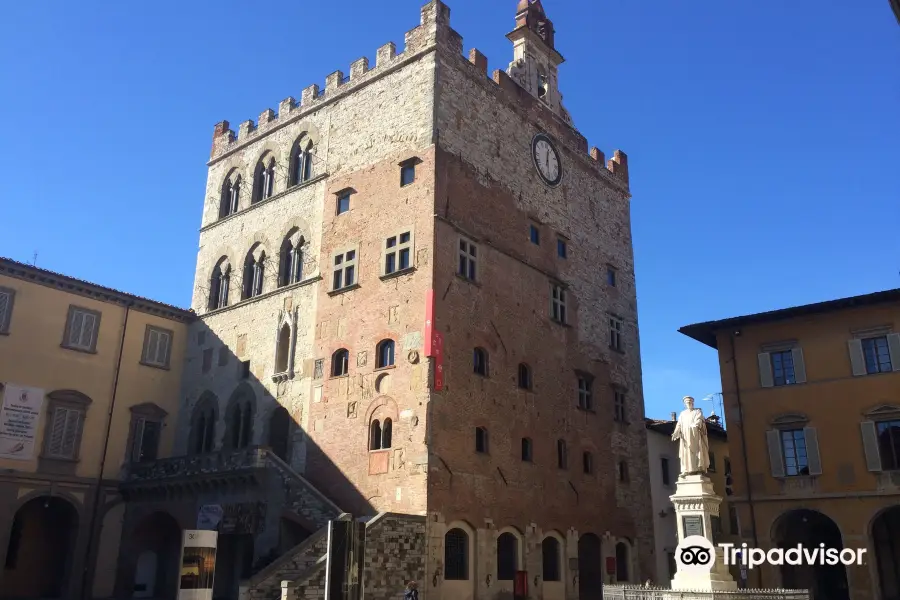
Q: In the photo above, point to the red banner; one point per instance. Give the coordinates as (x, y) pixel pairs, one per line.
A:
(437, 341)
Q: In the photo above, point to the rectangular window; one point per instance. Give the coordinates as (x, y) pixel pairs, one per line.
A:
(562, 248)
(610, 276)
(727, 463)
(783, 368)
(619, 406)
(716, 523)
(733, 524)
(223, 356)
(615, 333)
(468, 260)
(889, 444)
(407, 173)
(344, 273)
(81, 329)
(207, 360)
(65, 433)
(343, 202)
(398, 253)
(535, 234)
(712, 462)
(6, 306)
(877, 354)
(793, 448)
(157, 347)
(558, 304)
(481, 440)
(145, 444)
(245, 369)
(664, 465)
(585, 393)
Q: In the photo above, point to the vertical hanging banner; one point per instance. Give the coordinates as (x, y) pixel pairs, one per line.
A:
(18, 421)
(438, 347)
(198, 565)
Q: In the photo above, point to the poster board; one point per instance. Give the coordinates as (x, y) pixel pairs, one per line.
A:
(19, 415)
(198, 565)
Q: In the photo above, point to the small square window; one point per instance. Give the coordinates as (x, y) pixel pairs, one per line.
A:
(534, 234)
(611, 276)
(561, 248)
(481, 440)
(157, 347)
(343, 203)
(877, 354)
(407, 173)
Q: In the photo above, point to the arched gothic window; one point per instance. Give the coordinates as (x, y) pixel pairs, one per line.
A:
(301, 161)
(203, 426)
(231, 196)
(254, 272)
(219, 285)
(264, 179)
(340, 363)
(291, 260)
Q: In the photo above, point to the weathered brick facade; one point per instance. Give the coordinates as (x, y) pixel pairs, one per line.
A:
(470, 139)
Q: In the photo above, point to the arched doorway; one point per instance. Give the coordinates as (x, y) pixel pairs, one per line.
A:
(590, 568)
(157, 547)
(886, 537)
(280, 432)
(40, 549)
(809, 529)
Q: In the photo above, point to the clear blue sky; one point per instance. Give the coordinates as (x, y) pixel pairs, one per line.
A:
(764, 138)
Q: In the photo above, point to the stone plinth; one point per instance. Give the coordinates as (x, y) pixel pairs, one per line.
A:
(695, 504)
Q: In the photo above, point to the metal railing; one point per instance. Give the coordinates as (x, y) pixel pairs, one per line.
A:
(625, 592)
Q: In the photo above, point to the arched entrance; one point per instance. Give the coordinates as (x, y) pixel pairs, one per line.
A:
(886, 538)
(280, 432)
(40, 549)
(157, 547)
(590, 568)
(809, 529)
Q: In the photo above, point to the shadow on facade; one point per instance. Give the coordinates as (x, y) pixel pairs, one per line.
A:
(242, 465)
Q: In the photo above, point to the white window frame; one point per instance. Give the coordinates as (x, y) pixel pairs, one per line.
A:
(558, 304)
(616, 329)
(86, 336)
(395, 251)
(151, 358)
(471, 259)
(343, 266)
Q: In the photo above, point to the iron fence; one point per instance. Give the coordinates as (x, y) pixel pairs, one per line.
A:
(624, 592)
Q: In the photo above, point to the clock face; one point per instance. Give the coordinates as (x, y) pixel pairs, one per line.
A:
(546, 159)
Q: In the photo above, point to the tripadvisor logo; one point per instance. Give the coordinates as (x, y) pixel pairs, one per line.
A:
(696, 553)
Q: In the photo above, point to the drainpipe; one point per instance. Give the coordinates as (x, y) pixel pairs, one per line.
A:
(98, 486)
(737, 392)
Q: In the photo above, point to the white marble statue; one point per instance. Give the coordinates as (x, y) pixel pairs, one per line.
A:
(690, 429)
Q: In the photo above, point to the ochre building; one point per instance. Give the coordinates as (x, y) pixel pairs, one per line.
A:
(812, 401)
(100, 371)
(416, 296)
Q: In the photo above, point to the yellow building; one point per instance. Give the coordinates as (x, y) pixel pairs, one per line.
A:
(812, 400)
(89, 382)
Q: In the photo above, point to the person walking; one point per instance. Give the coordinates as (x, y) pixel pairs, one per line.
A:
(412, 591)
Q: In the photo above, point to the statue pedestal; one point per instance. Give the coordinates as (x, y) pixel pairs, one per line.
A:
(695, 505)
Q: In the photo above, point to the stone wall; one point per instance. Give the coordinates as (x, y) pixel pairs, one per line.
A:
(395, 555)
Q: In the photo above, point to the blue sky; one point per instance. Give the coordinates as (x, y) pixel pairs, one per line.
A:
(762, 138)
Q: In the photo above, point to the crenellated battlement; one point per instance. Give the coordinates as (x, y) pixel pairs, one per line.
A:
(617, 165)
(433, 28)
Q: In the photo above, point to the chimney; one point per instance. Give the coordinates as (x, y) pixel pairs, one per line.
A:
(674, 417)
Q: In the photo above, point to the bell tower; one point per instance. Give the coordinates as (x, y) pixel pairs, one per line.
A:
(535, 59)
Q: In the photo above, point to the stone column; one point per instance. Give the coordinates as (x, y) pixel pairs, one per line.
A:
(570, 573)
(695, 504)
(533, 560)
